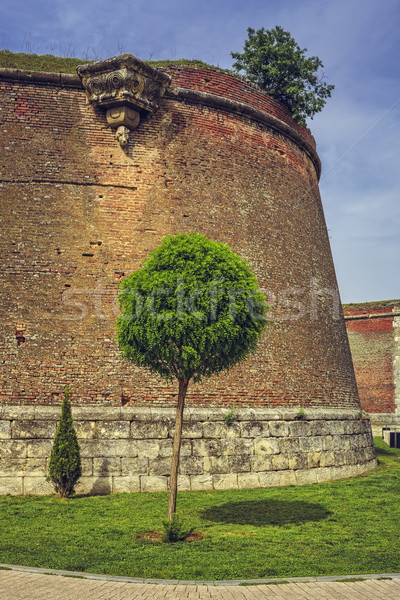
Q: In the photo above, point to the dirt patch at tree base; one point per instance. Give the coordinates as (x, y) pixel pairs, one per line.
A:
(156, 536)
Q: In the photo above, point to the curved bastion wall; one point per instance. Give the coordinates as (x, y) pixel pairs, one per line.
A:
(80, 210)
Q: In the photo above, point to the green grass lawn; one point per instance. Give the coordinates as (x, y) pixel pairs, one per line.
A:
(338, 528)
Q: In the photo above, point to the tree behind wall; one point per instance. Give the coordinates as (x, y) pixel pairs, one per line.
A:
(273, 60)
(65, 461)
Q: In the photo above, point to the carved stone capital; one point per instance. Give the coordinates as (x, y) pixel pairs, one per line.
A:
(125, 86)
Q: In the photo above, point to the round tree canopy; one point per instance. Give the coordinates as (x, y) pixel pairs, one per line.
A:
(193, 310)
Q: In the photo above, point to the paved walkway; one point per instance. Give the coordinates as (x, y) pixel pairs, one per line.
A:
(25, 585)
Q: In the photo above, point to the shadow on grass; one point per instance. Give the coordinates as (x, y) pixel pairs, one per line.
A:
(266, 512)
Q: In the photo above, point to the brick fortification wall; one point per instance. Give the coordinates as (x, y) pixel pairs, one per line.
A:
(373, 331)
(78, 213)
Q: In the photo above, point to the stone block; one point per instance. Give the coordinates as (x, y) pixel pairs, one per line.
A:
(218, 430)
(306, 476)
(165, 448)
(261, 462)
(215, 447)
(299, 428)
(201, 482)
(13, 449)
(279, 429)
(279, 462)
(96, 413)
(85, 430)
(38, 486)
(345, 442)
(342, 458)
(327, 459)
(149, 430)
(202, 414)
(350, 427)
(153, 483)
(87, 467)
(159, 466)
(289, 446)
(311, 444)
(240, 464)
(192, 430)
(184, 484)
(20, 467)
(328, 442)
(190, 465)
(107, 466)
(248, 480)
(229, 447)
(298, 461)
(11, 485)
(48, 413)
(94, 486)
(320, 428)
(287, 478)
(108, 448)
(134, 466)
(267, 446)
(126, 484)
(313, 459)
(253, 429)
(339, 427)
(141, 413)
(113, 430)
(332, 473)
(39, 448)
(148, 449)
(269, 478)
(16, 412)
(30, 429)
(5, 430)
(216, 464)
(200, 447)
(225, 481)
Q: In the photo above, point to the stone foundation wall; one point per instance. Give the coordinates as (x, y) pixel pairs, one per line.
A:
(129, 449)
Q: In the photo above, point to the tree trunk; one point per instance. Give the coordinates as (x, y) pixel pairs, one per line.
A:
(176, 448)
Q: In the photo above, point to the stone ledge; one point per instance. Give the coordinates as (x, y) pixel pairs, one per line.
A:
(144, 413)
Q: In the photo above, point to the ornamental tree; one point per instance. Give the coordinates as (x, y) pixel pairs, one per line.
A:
(65, 459)
(192, 311)
(273, 60)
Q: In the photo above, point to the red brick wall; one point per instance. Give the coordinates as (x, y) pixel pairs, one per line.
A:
(372, 346)
(78, 213)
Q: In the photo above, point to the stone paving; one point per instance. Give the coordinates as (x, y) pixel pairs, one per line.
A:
(20, 585)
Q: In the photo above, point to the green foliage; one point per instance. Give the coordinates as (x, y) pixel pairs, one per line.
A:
(175, 531)
(193, 310)
(273, 60)
(65, 460)
(230, 417)
(301, 415)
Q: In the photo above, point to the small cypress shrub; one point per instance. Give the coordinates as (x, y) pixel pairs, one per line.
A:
(65, 459)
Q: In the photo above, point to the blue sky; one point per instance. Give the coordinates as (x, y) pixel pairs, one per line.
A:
(357, 133)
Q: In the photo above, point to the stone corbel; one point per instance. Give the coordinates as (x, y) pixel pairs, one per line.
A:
(126, 87)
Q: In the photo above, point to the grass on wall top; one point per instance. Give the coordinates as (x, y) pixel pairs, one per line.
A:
(56, 64)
